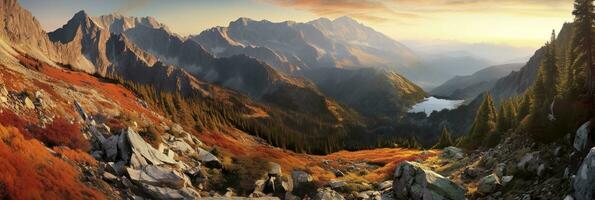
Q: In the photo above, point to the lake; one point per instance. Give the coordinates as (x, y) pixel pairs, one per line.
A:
(434, 104)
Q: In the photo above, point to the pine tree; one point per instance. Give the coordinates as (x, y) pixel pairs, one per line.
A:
(549, 67)
(583, 36)
(503, 117)
(445, 139)
(484, 123)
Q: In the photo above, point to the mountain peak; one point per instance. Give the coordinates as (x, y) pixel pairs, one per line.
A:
(80, 14)
(346, 19)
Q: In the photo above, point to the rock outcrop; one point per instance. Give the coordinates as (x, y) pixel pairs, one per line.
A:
(584, 182)
(414, 181)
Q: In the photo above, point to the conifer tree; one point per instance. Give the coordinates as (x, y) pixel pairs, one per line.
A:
(583, 36)
(445, 139)
(484, 123)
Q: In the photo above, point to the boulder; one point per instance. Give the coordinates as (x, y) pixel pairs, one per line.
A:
(169, 193)
(123, 147)
(210, 160)
(541, 170)
(117, 168)
(275, 185)
(452, 153)
(144, 149)
(328, 194)
(584, 182)
(582, 136)
(415, 181)
(300, 178)
(489, 184)
(157, 176)
(110, 148)
(335, 184)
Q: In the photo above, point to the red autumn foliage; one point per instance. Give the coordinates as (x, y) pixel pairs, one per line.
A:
(61, 133)
(77, 156)
(29, 171)
(9, 118)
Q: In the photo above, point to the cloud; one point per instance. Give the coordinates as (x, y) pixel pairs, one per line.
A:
(377, 11)
(130, 5)
(366, 10)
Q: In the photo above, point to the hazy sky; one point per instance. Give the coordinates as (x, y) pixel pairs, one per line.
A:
(522, 23)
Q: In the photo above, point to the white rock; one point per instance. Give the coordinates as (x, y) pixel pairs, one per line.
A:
(328, 194)
(140, 147)
(415, 181)
(157, 176)
(28, 103)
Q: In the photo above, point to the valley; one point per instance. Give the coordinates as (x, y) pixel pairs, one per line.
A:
(117, 106)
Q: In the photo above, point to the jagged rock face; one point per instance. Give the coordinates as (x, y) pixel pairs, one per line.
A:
(414, 181)
(582, 136)
(291, 46)
(584, 182)
(19, 29)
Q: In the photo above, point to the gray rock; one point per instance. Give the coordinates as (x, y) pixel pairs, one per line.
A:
(489, 184)
(144, 149)
(338, 173)
(385, 185)
(181, 147)
(506, 179)
(110, 148)
(123, 147)
(452, 153)
(300, 177)
(415, 181)
(335, 184)
(500, 169)
(328, 194)
(210, 160)
(157, 176)
(117, 168)
(169, 193)
(581, 137)
(584, 182)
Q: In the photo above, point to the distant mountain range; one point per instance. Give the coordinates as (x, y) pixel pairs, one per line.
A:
(468, 87)
(333, 72)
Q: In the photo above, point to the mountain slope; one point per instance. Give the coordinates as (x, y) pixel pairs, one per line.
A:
(518, 82)
(374, 93)
(465, 87)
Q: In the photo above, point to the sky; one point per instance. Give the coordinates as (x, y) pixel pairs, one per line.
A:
(516, 23)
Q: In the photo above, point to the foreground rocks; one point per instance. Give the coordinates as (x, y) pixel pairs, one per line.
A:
(584, 182)
(414, 181)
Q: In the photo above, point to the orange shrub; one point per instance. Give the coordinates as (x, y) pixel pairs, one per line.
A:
(29, 171)
(61, 132)
(77, 156)
(9, 118)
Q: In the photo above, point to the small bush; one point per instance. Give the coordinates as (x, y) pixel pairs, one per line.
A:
(61, 133)
(9, 118)
(77, 156)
